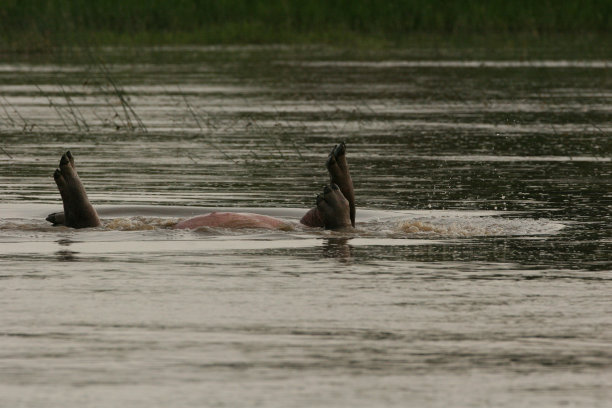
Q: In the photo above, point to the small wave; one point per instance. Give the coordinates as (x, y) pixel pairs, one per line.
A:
(27, 225)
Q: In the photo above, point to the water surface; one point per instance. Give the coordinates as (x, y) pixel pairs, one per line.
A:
(479, 275)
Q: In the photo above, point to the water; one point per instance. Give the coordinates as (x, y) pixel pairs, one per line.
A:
(480, 274)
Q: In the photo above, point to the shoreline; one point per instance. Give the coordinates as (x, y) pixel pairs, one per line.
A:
(522, 46)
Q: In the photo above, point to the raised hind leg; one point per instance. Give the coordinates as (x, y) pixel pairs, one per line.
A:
(339, 174)
(78, 211)
(338, 169)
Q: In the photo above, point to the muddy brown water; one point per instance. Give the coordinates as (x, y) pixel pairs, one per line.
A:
(480, 274)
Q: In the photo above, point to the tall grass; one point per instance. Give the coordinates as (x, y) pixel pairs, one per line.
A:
(61, 22)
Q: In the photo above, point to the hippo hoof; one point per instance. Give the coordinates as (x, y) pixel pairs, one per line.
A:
(64, 160)
(339, 150)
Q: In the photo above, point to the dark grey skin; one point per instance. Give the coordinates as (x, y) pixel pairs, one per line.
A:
(334, 208)
(338, 169)
(78, 211)
(339, 174)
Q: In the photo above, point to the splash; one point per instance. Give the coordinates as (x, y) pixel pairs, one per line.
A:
(478, 226)
(421, 227)
(138, 223)
(414, 223)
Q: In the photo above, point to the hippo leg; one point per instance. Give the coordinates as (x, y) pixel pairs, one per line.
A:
(78, 211)
(339, 174)
(338, 169)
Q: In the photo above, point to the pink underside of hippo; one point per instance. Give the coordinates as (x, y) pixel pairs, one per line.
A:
(232, 220)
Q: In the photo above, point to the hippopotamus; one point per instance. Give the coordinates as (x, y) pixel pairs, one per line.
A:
(334, 210)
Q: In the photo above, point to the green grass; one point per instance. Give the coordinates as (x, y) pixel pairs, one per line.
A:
(43, 24)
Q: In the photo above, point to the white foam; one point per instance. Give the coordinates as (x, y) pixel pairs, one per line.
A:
(478, 226)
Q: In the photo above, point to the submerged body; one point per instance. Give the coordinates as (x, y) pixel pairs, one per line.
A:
(335, 207)
(232, 220)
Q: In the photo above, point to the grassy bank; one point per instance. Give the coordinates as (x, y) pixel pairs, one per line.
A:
(41, 24)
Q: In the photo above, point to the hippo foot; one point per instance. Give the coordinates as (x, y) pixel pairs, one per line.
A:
(78, 211)
(334, 208)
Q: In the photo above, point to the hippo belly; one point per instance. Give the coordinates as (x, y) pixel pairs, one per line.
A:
(232, 220)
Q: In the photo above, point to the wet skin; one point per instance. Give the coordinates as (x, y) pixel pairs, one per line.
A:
(78, 211)
(338, 169)
(335, 206)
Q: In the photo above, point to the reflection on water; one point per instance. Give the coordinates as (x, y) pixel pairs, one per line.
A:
(481, 264)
